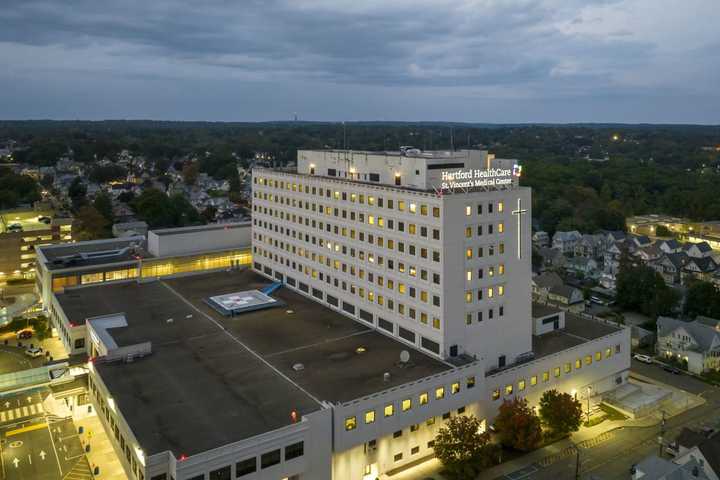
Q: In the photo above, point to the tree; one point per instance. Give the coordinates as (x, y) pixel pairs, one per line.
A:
(91, 225)
(161, 211)
(662, 231)
(190, 173)
(703, 298)
(462, 449)
(103, 204)
(209, 213)
(560, 413)
(77, 191)
(642, 289)
(518, 426)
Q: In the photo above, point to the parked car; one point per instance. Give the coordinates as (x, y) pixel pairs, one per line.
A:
(672, 370)
(45, 219)
(643, 358)
(24, 334)
(33, 352)
(14, 227)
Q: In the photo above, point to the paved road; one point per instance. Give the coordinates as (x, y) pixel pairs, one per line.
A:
(13, 359)
(682, 381)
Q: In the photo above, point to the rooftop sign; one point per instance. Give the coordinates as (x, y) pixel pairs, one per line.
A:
(492, 177)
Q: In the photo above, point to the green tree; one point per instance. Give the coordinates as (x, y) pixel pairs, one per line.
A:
(663, 231)
(161, 211)
(462, 449)
(190, 173)
(560, 413)
(703, 298)
(77, 191)
(103, 204)
(518, 426)
(642, 289)
(90, 224)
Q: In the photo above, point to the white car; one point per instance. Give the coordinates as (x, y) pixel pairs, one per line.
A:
(33, 352)
(642, 358)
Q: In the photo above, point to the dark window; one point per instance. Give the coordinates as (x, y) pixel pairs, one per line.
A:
(398, 182)
(461, 410)
(385, 325)
(317, 293)
(332, 172)
(220, 474)
(397, 457)
(270, 458)
(245, 467)
(331, 300)
(162, 476)
(445, 166)
(349, 308)
(374, 177)
(431, 443)
(430, 345)
(554, 319)
(446, 415)
(367, 316)
(454, 351)
(80, 343)
(397, 434)
(278, 276)
(501, 361)
(257, 266)
(290, 281)
(304, 287)
(414, 450)
(406, 334)
(294, 451)
(267, 270)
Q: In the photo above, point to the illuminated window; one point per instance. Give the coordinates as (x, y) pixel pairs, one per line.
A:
(440, 393)
(501, 227)
(423, 210)
(468, 275)
(508, 389)
(496, 394)
(401, 205)
(389, 410)
(501, 206)
(468, 296)
(406, 405)
(568, 367)
(468, 210)
(501, 290)
(578, 363)
(371, 220)
(424, 398)
(370, 416)
(556, 371)
(608, 352)
(470, 382)
(533, 380)
(469, 253)
(455, 388)
(490, 292)
(350, 423)
(413, 208)
(501, 269)
(598, 356)
(588, 359)
(521, 384)
(468, 232)
(436, 212)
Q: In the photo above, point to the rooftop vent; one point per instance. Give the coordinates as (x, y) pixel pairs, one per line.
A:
(298, 367)
(404, 357)
(169, 320)
(386, 377)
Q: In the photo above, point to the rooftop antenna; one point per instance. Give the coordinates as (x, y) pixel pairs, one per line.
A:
(452, 140)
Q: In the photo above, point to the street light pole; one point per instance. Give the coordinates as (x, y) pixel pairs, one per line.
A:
(662, 434)
(588, 404)
(577, 462)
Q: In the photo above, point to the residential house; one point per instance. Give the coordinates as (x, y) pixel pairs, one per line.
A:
(703, 447)
(669, 246)
(566, 241)
(702, 268)
(695, 343)
(648, 254)
(670, 267)
(541, 285)
(615, 236)
(541, 239)
(656, 468)
(552, 258)
(698, 250)
(591, 246)
(566, 297)
(611, 258)
(639, 241)
(585, 266)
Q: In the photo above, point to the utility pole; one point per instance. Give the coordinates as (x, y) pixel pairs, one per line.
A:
(662, 434)
(577, 462)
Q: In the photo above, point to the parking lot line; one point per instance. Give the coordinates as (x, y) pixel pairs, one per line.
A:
(29, 428)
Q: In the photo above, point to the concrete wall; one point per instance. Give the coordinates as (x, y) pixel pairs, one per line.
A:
(180, 241)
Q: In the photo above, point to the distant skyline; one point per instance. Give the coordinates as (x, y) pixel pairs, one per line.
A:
(486, 61)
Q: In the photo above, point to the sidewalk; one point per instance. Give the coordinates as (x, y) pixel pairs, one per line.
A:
(102, 453)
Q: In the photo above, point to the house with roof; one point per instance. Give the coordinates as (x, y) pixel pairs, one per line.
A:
(541, 285)
(703, 447)
(591, 246)
(611, 258)
(640, 241)
(698, 250)
(552, 258)
(541, 239)
(585, 266)
(669, 246)
(566, 241)
(615, 236)
(702, 268)
(695, 343)
(648, 254)
(656, 468)
(566, 297)
(670, 266)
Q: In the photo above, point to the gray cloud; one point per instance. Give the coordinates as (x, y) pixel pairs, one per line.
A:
(532, 50)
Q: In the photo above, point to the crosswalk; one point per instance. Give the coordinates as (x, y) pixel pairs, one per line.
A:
(25, 411)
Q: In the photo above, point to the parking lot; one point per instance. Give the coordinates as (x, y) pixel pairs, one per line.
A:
(38, 446)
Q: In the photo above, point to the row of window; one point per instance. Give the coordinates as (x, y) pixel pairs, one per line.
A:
(480, 315)
(390, 303)
(352, 197)
(250, 465)
(557, 371)
(406, 404)
(489, 208)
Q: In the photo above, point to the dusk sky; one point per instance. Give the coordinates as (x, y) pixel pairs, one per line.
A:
(494, 61)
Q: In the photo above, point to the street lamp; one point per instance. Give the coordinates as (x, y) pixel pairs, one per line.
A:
(589, 388)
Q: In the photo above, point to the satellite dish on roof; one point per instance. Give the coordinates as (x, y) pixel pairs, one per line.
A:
(404, 356)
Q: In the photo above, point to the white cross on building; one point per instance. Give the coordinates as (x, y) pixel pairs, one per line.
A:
(519, 212)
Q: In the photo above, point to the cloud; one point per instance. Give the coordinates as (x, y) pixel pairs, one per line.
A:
(520, 49)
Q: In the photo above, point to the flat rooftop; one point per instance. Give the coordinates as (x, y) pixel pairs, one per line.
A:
(576, 332)
(200, 228)
(29, 220)
(212, 380)
(94, 253)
